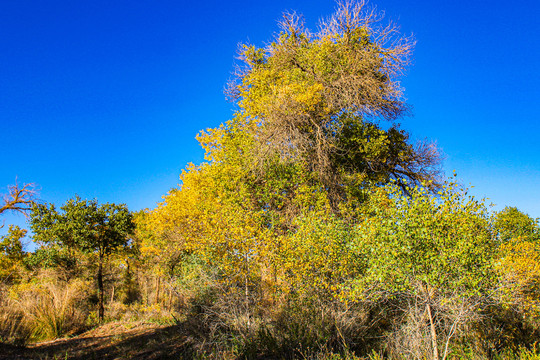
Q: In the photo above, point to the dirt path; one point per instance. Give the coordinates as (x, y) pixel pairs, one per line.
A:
(110, 341)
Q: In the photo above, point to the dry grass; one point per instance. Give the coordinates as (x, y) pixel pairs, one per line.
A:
(49, 309)
(14, 326)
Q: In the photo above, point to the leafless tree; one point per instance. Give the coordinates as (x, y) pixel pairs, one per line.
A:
(19, 198)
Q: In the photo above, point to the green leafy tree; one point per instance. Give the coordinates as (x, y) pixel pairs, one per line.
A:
(437, 249)
(510, 223)
(11, 252)
(86, 226)
(53, 256)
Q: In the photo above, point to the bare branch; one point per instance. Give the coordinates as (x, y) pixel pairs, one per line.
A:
(19, 199)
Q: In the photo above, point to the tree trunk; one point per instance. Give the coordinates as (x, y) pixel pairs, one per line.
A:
(158, 286)
(433, 333)
(247, 293)
(101, 309)
(146, 300)
(112, 296)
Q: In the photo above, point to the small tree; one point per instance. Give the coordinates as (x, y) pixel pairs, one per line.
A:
(18, 199)
(510, 223)
(87, 226)
(518, 263)
(11, 252)
(436, 249)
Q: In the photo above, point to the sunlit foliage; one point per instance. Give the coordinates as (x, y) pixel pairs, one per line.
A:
(11, 253)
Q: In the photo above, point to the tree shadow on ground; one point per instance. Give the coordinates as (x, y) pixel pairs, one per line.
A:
(165, 342)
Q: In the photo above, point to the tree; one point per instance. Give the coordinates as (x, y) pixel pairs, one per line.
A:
(11, 252)
(87, 226)
(518, 259)
(437, 249)
(510, 223)
(317, 98)
(306, 142)
(19, 199)
(518, 267)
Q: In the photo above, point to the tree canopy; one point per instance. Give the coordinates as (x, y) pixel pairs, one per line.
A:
(510, 223)
(314, 131)
(317, 98)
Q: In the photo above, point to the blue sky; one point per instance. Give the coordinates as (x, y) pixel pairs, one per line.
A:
(104, 99)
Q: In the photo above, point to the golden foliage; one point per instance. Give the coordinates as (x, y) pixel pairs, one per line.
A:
(519, 268)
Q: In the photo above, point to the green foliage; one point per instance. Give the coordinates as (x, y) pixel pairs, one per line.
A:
(51, 256)
(83, 224)
(318, 257)
(11, 253)
(427, 251)
(510, 223)
(293, 202)
(426, 243)
(10, 245)
(312, 229)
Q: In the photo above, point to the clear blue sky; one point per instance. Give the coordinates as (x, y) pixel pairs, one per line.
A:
(103, 99)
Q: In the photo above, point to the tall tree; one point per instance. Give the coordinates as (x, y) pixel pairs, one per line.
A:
(318, 98)
(87, 226)
(306, 142)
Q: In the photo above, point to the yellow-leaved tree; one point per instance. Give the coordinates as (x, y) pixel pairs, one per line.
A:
(273, 208)
(518, 262)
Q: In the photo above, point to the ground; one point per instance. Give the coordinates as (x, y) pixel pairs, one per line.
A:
(110, 341)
